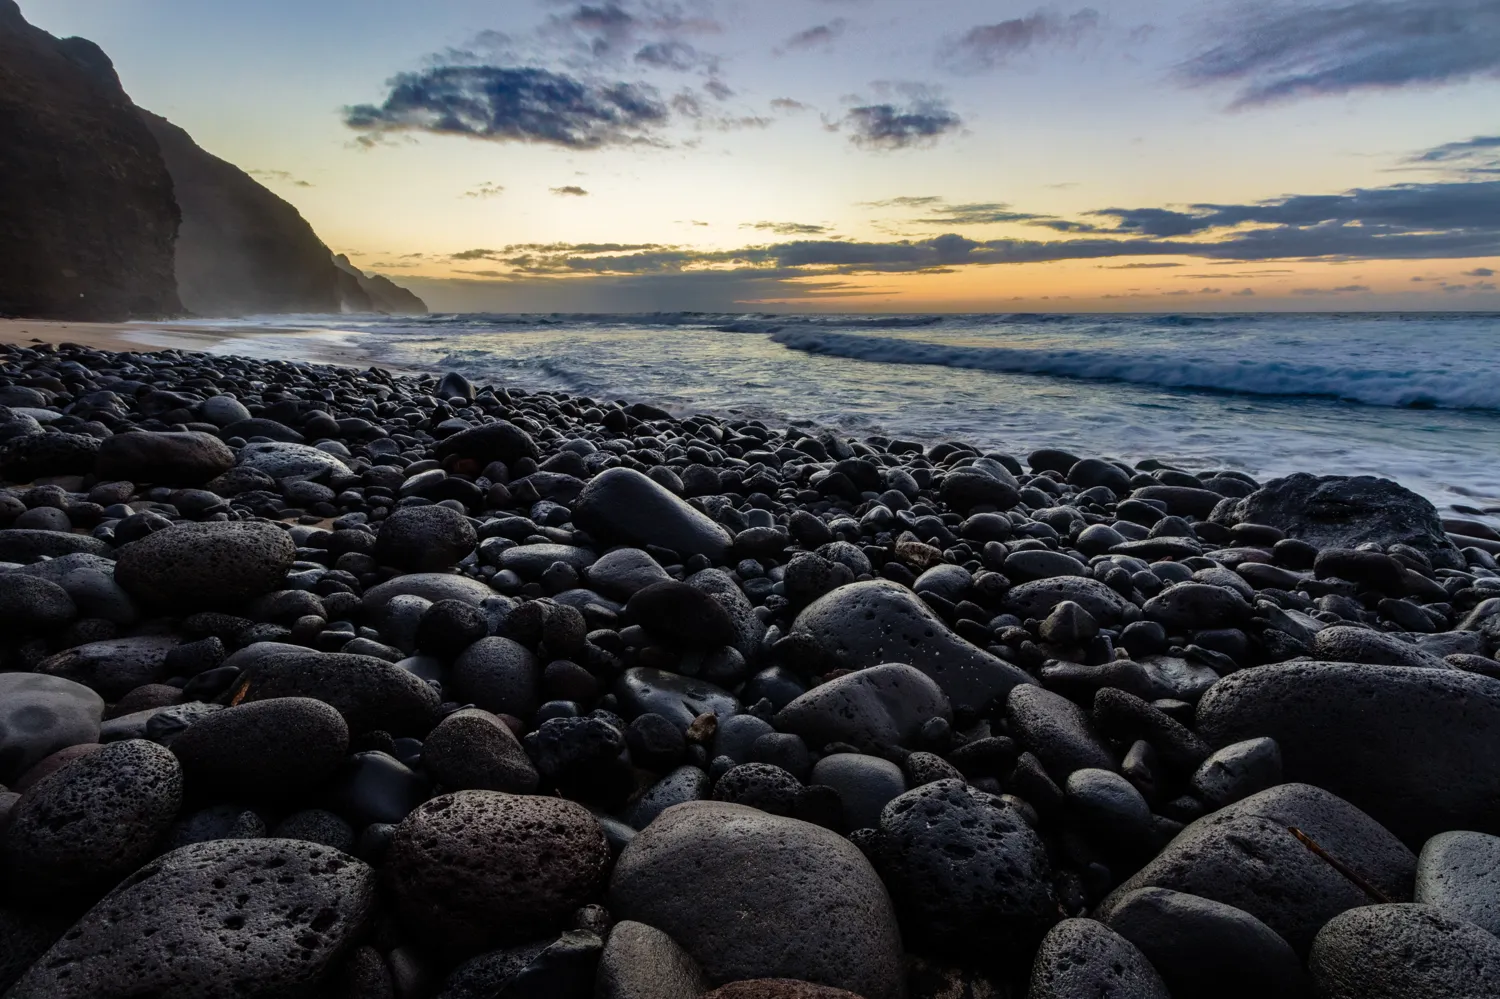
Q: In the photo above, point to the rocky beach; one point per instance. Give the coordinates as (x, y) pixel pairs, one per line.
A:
(319, 681)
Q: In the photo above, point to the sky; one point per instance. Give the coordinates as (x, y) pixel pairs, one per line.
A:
(855, 155)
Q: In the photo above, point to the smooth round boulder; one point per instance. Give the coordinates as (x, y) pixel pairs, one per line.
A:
(1197, 606)
(34, 606)
(40, 715)
(472, 749)
(424, 539)
(282, 460)
(642, 962)
(1037, 598)
(498, 441)
(209, 566)
(89, 824)
(499, 675)
(1208, 950)
(680, 699)
(753, 895)
(681, 616)
(884, 705)
(969, 876)
(1418, 749)
(1347, 644)
(1245, 856)
(876, 622)
(115, 666)
(269, 750)
(865, 785)
(622, 506)
(184, 458)
(1458, 873)
(1403, 952)
(258, 919)
(1056, 731)
(370, 693)
(1081, 957)
(26, 546)
(476, 869)
(431, 586)
(622, 573)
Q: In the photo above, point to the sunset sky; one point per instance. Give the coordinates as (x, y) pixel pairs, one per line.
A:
(855, 155)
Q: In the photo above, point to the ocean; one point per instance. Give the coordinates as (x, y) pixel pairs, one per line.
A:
(1413, 397)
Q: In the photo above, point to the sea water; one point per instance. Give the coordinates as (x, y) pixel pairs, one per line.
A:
(1414, 397)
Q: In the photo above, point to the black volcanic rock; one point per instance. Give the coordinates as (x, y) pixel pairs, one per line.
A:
(87, 215)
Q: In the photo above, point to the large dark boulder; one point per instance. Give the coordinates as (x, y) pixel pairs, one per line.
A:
(754, 895)
(251, 918)
(173, 459)
(370, 693)
(1416, 748)
(622, 506)
(1404, 952)
(1246, 856)
(1337, 511)
(217, 566)
(867, 624)
(87, 214)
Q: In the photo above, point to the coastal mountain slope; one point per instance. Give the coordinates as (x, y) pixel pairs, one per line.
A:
(242, 250)
(87, 215)
(110, 212)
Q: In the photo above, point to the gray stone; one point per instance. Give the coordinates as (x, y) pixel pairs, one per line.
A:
(471, 749)
(1244, 856)
(532, 560)
(622, 506)
(1208, 950)
(113, 667)
(1056, 731)
(90, 581)
(41, 714)
(31, 606)
(642, 962)
(865, 785)
(819, 912)
(686, 783)
(424, 539)
(1036, 599)
(477, 869)
(370, 693)
(499, 675)
(969, 876)
(1348, 644)
(497, 441)
(433, 586)
(208, 566)
(257, 919)
(748, 629)
(1419, 749)
(222, 410)
(679, 699)
(82, 828)
(268, 750)
(620, 574)
(1196, 606)
(1404, 952)
(1081, 957)
(876, 622)
(280, 461)
(1237, 771)
(884, 705)
(26, 546)
(1335, 511)
(1458, 873)
(172, 459)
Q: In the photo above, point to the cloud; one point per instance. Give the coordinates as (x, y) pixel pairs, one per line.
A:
(787, 228)
(570, 190)
(1246, 293)
(1347, 289)
(991, 213)
(278, 176)
(515, 105)
(1480, 272)
(1276, 51)
(1141, 266)
(1480, 154)
(485, 190)
(921, 120)
(819, 36)
(673, 54)
(906, 201)
(649, 32)
(988, 46)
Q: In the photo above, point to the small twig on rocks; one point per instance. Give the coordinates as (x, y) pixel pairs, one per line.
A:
(1340, 866)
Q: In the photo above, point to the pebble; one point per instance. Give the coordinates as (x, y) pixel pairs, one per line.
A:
(1458, 874)
(642, 962)
(472, 869)
(175, 459)
(1057, 731)
(1403, 952)
(821, 913)
(114, 667)
(205, 566)
(424, 539)
(371, 694)
(498, 675)
(625, 507)
(268, 750)
(208, 918)
(472, 749)
(885, 705)
(40, 715)
(865, 785)
(1081, 957)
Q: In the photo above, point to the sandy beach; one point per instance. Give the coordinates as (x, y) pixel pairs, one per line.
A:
(168, 335)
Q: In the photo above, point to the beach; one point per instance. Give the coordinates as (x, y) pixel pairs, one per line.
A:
(540, 664)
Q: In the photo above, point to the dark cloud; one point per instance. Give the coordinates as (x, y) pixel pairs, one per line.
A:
(485, 190)
(515, 105)
(905, 201)
(788, 105)
(1475, 157)
(817, 37)
(1480, 272)
(991, 213)
(987, 46)
(570, 190)
(787, 228)
(1347, 289)
(921, 119)
(649, 32)
(672, 54)
(1141, 266)
(1274, 51)
(718, 89)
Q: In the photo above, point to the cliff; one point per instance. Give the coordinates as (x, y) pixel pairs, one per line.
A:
(381, 294)
(87, 215)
